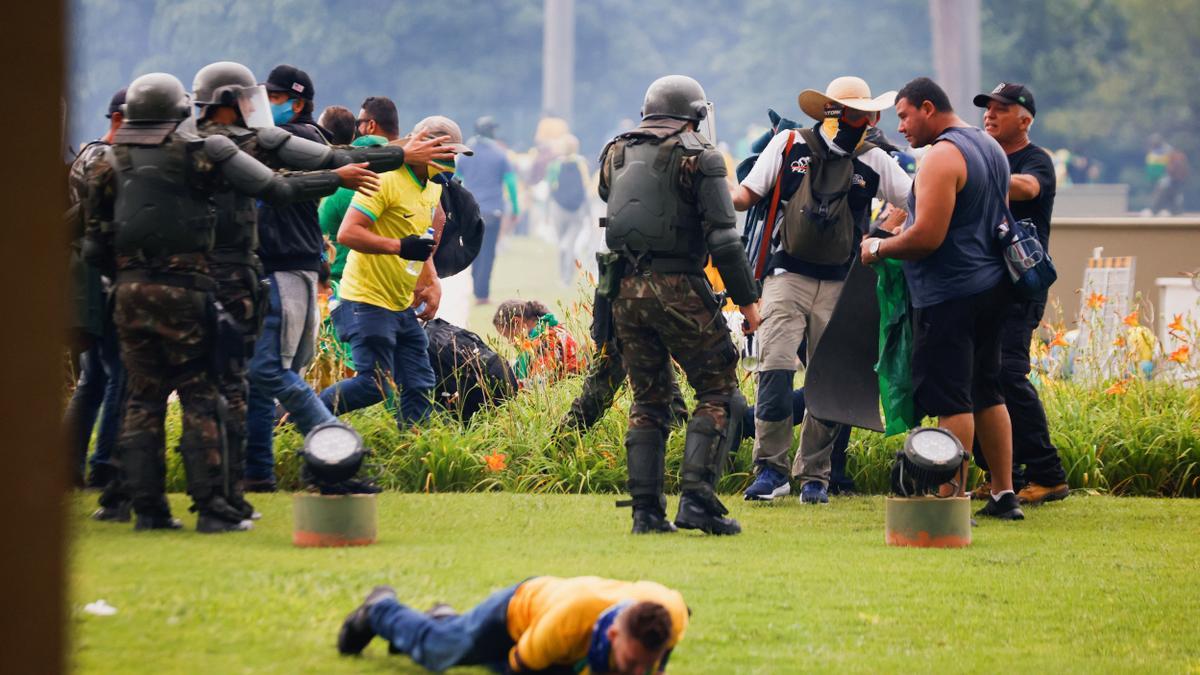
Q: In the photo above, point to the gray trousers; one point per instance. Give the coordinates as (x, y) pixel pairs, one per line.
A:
(794, 307)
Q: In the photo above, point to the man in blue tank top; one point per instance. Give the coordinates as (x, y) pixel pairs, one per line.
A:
(956, 279)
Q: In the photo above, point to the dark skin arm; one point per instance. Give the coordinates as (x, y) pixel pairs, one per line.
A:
(943, 174)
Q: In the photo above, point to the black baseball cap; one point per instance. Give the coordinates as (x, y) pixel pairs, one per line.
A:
(1011, 93)
(290, 80)
(115, 103)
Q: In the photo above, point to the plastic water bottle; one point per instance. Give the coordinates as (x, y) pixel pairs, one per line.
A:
(414, 266)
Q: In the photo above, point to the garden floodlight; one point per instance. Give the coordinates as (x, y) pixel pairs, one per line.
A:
(931, 457)
(333, 453)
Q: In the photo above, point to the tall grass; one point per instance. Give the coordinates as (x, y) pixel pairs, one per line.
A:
(1144, 441)
(1124, 435)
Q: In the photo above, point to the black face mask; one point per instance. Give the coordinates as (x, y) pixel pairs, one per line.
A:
(848, 136)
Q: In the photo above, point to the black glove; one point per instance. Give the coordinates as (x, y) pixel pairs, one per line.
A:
(413, 247)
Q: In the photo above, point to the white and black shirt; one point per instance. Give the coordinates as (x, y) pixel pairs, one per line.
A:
(876, 174)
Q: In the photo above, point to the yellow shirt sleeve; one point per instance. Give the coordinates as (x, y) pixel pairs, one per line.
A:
(374, 205)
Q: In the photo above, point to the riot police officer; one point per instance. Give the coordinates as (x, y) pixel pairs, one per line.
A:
(151, 221)
(669, 209)
(231, 103)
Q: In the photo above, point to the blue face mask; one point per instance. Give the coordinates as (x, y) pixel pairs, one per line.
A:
(282, 112)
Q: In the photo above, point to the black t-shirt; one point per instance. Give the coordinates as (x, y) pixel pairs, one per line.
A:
(1034, 161)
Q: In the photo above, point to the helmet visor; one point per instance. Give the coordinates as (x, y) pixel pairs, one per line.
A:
(255, 107)
(708, 126)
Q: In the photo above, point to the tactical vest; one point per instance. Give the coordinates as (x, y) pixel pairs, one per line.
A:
(236, 236)
(648, 211)
(160, 209)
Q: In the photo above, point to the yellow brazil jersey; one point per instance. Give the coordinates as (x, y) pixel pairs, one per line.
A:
(401, 207)
(551, 618)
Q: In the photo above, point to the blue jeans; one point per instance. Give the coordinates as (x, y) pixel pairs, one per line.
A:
(478, 638)
(100, 392)
(481, 267)
(384, 344)
(270, 382)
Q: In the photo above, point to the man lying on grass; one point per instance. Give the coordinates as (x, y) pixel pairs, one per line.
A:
(543, 625)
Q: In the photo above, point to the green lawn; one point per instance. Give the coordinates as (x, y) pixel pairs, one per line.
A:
(1093, 584)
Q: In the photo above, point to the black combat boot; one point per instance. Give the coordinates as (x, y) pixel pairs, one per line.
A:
(704, 513)
(703, 462)
(217, 515)
(205, 484)
(154, 514)
(644, 452)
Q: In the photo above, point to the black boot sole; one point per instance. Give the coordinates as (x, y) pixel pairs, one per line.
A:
(709, 527)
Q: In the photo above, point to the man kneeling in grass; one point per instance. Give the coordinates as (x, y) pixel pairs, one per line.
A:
(543, 625)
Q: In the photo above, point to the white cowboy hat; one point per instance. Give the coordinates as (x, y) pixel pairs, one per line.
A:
(849, 91)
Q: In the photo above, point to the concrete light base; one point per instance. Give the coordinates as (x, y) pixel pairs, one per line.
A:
(333, 520)
(928, 522)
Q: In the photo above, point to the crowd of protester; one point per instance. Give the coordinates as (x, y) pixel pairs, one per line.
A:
(366, 263)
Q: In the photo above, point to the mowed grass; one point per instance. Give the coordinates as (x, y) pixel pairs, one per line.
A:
(1092, 584)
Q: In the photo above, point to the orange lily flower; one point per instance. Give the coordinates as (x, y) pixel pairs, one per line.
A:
(1119, 387)
(1132, 319)
(1096, 300)
(1180, 355)
(496, 461)
(1120, 341)
(1059, 339)
(1177, 324)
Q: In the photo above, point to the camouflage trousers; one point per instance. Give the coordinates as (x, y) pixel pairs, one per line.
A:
(604, 379)
(239, 293)
(658, 317)
(165, 341)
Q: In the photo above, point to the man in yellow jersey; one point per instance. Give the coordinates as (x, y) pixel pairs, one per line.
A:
(541, 625)
(390, 238)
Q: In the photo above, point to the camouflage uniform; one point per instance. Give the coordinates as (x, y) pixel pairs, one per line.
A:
(163, 323)
(668, 207)
(237, 271)
(151, 216)
(605, 378)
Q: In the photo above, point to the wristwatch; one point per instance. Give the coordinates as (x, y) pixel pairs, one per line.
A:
(873, 249)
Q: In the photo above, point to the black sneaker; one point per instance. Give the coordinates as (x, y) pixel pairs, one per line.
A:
(157, 522)
(1005, 508)
(694, 514)
(356, 632)
(113, 514)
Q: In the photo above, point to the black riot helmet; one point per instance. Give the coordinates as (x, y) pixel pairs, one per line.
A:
(220, 83)
(156, 97)
(675, 96)
(229, 83)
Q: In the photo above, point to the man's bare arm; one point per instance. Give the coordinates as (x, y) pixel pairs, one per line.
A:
(355, 233)
(1023, 187)
(942, 172)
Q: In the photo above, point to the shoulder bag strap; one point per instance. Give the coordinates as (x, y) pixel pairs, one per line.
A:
(764, 246)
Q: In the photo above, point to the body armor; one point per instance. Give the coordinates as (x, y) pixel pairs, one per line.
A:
(159, 210)
(647, 209)
(236, 237)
